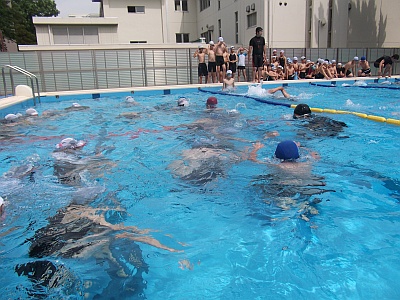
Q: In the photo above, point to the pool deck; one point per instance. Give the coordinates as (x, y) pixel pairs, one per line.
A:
(9, 101)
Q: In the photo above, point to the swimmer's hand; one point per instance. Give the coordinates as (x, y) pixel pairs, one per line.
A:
(315, 155)
(257, 145)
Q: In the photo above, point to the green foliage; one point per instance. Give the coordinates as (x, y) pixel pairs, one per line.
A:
(16, 22)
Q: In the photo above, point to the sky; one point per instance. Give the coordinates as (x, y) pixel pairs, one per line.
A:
(76, 7)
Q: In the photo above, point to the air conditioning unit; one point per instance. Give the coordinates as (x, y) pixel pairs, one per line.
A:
(248, 8)
(253, 6)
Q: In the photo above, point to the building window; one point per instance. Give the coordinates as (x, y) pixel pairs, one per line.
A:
(182, 37)
(136, 9)
(181, 5)
(204, 4)
(236, 27)
(138, 42)
(252, 19)
(219, 5)
(219, 28)
(75, 35)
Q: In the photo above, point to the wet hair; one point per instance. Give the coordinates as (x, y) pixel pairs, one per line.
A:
(395, 56)
(258, 29)
(301, 110)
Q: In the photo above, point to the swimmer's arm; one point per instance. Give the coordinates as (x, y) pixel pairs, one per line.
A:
(253, 154)
(380, 68)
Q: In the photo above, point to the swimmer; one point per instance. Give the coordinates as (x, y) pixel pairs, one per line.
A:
(76, 107)
(83, 232)
(31, 112)
(70, 143)
(229, 81)
(1, 206)
(183, 102)
(291, 180)
(130, 100)
(280, 88)
(211, 103)
(10, 118)
(317, 125)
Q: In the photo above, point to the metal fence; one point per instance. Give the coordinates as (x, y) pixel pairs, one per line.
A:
(104, 69)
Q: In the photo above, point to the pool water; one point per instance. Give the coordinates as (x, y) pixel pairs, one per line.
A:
(164, 202)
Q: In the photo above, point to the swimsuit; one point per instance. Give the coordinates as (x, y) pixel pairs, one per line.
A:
(212, 66)
(202, 69)
(219, 60)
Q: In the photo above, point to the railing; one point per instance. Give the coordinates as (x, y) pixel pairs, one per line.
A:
(144, 65)
(26, 73)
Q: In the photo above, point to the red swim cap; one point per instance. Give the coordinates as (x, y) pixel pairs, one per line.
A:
(212, 101)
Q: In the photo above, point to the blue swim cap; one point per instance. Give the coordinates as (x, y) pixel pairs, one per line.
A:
(287, 150)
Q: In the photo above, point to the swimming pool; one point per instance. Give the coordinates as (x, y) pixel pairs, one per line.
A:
(215, 227)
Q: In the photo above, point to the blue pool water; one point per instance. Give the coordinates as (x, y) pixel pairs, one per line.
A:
(142, 212)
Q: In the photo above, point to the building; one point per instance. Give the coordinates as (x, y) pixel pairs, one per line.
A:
(286, 23)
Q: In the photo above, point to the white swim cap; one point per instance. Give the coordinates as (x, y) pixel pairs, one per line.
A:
(76, 104)
(1, 201)
(129, 99)
(70, 143)
(31, 112)
(183, 102)
(11, 117)
(220, 39)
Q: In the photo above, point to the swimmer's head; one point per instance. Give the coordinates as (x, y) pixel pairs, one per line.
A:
(70, 143)
(31, 112)
(129, 99)
(301, 111)
(183, 102)
(1, 205)
(229, 73)
(212, 102)
(76, 104)
(287, 150)
(12, 117)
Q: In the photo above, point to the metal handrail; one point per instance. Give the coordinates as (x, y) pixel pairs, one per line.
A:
(25, 72)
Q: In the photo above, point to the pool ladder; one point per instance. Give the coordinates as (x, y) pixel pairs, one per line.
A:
(22, 71)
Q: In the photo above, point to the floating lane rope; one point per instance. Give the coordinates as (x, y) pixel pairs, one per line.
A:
(246, 96)
(313, 109)
(368, 86)
(358, 114)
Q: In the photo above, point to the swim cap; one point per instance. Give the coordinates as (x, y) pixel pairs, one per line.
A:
(183, 102)
(70, 143)
(76, 104)
(11, 117)
(31, 112)
(287, 150)
(212, 102)
(129, 99)
(229, 72)
(301, 110)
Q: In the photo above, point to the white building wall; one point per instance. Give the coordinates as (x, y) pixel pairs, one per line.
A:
(159, 23)
(340, 23)
(43, 35)
(136, 26)
(108, 35)
(374, 23)
(286, 23)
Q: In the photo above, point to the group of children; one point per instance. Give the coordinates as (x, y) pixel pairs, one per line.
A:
(224, 64)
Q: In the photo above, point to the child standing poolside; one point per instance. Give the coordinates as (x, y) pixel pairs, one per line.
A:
(242, 53)
(229, 81)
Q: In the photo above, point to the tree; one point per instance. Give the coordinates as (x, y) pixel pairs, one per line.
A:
(16, 20)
